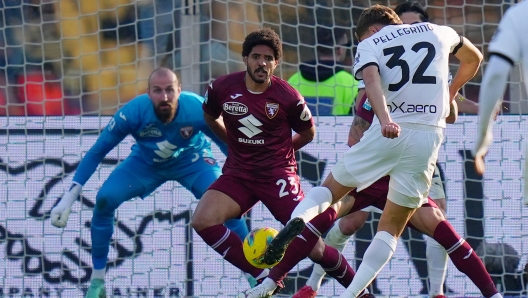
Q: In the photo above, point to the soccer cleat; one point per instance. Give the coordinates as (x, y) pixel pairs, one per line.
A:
(262, 290)
(439, 296)
(96, 289)
(277, 247)
(305, 292)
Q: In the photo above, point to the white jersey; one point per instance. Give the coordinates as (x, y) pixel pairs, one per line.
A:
(510, 39)
(413, 65)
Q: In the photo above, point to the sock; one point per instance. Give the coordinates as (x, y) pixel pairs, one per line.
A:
(337, 266)
(102, 228)
(465, 258)
(436, 265)
(302, 245)
(334, 238)
(263, 274)
(498, 295)
(229, 245)
(316, 201)
(376, 256)
(316, 278)
(238, 226)
(98, 273)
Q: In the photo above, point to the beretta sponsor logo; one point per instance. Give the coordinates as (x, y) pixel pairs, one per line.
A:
(235, 108)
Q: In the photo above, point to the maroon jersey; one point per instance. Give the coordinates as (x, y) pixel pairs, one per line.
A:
(259, 126)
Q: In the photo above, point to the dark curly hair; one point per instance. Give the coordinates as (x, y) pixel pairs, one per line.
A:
(264, 36)
(415, 7)
(377, 14)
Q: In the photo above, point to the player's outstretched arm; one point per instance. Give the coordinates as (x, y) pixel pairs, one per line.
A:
(112, 135)
(470, 58)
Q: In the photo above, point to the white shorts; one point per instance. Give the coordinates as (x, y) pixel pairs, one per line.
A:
(436, 191)
(409, 160)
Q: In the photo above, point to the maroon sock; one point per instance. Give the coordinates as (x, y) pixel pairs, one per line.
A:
(337, 266)
(301, 246)
(229, 245)
(464, 258)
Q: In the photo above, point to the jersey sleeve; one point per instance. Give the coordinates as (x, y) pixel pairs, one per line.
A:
(116, 130)
(299, 115)
(212, 100)
(364, 110)
(453, 39)
(365, 56)
(506, 40)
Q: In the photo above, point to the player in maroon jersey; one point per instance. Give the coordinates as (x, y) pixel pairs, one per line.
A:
(259, 112)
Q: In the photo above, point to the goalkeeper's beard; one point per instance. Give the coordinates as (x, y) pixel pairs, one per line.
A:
(165, 115)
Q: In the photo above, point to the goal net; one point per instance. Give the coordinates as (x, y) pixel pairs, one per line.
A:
(67, 65)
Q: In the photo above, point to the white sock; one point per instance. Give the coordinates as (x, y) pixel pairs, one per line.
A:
(262, 274)
(335, 238)
(316, 278)
(498, 295)
(437, 266)
(316, 201)
(376, 256)
(98, 273)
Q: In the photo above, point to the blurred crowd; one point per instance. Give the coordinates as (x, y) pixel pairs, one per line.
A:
(70, 57)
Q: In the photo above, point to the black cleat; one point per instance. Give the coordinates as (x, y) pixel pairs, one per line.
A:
(277, 247)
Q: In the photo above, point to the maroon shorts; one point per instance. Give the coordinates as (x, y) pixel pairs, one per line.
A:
(280, 195)
(376, 195)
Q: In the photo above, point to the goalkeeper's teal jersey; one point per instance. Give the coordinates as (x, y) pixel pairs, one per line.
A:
(168, 146)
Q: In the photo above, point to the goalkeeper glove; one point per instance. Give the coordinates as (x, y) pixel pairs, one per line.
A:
(61, 212)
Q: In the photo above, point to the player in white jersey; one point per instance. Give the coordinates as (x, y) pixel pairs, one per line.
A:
(508, 46)
(405, 69)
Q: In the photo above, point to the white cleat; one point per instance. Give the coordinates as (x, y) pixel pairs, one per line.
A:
(264, 290)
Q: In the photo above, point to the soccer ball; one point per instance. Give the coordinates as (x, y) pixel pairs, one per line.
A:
(255, 244)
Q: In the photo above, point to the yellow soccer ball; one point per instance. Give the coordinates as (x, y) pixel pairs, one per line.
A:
(256, 243)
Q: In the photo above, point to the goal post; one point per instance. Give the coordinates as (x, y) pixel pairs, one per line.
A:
(67, 65)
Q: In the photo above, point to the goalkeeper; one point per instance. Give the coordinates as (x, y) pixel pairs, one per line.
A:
(169, 129)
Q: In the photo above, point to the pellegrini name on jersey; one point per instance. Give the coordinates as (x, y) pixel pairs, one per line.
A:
(403, 31)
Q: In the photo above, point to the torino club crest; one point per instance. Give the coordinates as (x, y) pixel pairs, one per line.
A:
(272, 109)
